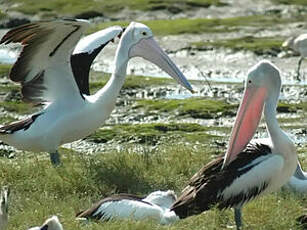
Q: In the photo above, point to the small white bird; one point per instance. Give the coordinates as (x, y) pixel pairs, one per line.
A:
(298, 44)
(122, 206)
(52, 223)
(46, 71)
(163, 199)
(4, 208)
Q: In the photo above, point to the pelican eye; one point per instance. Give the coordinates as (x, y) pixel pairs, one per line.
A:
(249, 81)
(144, 33)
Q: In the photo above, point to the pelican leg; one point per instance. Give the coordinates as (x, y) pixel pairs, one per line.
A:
(55, 159)
(298, 69)
(238, 218)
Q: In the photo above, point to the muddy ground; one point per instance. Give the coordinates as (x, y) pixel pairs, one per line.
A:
(224, 68)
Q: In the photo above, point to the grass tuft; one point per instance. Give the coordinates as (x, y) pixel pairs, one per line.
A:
(260, 46)
(77, 7)
(193, 107)
(39, 190)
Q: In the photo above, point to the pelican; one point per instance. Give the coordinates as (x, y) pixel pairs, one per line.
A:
(122, 206)
(46, 76)
(298, 44)
(298, 182)
(52, 223)
(4, 208)
(248, 169)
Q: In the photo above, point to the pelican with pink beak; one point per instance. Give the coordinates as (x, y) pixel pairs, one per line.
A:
(49, 75)
(249, 168)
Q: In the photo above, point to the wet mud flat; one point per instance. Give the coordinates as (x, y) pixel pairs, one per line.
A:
(151, 112)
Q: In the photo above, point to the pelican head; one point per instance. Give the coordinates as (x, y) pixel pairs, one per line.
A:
(262, 85)
(164, 199)
(137, 41)
(52, 223)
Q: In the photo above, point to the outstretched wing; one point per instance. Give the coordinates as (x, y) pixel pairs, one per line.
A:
(86, 51)
(43, 67)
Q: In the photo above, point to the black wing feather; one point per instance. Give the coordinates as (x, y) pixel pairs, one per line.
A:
(205, 186)
(81, 64)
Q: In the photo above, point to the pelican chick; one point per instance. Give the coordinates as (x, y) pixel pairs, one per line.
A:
(123, 206)
(52, 223)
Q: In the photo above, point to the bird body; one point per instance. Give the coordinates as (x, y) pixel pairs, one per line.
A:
(52, 223)
(46, 75)
(299, 45)
(298, 182)
(122, 206)
(297, 185)
(248, 169)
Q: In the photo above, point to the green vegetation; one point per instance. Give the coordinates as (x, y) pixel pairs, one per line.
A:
(137, 82)
(39, 190)
(74, 7)
(287, 107)
(258, 45)
(131, 82)
(193, 107)
(17, 107)
(2, 15)
(6, 119)
(291, 2)
(205, 25)
(4, 69)
(151, 134)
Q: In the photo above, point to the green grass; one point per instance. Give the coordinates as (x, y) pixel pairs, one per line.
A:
(38, 190)
(2, 14)
(205, 25)
(192, 107)
(131, 82)
(151, 134)
(4, 69)
(291, 107)
(6, 119)
(17, 107)
(74, 7)
(258, 45)
(291, 2)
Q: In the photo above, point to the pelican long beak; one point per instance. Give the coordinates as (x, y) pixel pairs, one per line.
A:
(247, 121)
(149, 49)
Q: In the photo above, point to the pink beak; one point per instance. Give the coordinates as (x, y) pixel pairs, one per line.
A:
(247, 121)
